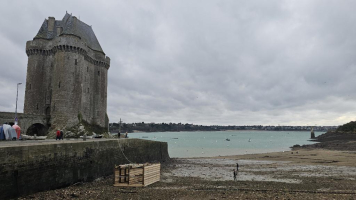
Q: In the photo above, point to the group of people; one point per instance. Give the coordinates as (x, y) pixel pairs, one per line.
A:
(10, 131)
(235, 171)
(59, 135)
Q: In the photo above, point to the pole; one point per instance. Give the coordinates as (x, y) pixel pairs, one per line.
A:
(120, 126)
(17, 96)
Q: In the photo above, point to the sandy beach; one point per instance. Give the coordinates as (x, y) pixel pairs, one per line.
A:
(298, 174)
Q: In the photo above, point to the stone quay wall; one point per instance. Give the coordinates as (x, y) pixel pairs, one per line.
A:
(39, 167)
(25, 120)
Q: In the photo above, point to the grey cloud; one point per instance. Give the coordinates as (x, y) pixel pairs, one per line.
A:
(207, 62)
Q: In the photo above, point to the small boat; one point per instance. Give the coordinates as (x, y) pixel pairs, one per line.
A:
(249, 140)
(144, 136)
(227, 139)
(175, 138)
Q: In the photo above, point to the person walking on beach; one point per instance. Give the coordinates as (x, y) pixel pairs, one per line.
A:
(235, 174)
(237, 167)
(118, 135)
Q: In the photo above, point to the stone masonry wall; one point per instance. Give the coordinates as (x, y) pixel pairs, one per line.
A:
(35, 85)
(29, 169)
(25, 120)
(66, 78)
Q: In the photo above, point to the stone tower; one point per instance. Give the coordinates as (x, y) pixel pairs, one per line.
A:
(67, 74)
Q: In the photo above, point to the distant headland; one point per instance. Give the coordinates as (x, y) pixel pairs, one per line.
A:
(171, 127)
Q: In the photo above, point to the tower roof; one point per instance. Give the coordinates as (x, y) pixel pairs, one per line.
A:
(70, 26)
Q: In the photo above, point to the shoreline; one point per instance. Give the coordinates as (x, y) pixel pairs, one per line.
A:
(297, 174)
(136, 131)
(333, 141)
(315, 171)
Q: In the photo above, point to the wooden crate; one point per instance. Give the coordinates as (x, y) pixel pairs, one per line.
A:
(137, 175)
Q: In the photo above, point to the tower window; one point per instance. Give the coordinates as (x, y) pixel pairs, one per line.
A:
(30, 86)
(87, 69)
(88, 90)
(59, 84)
(37, 106)
(75, 61)
(98, 73)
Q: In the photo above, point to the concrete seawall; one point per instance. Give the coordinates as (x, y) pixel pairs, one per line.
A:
(26, 168)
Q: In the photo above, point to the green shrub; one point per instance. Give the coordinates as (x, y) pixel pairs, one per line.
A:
(349, 127)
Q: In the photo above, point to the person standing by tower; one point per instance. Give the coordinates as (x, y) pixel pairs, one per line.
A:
(61, 135)
(58, 135)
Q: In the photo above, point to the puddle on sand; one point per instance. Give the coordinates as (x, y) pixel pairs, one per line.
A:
(230, 161)
(221, 170)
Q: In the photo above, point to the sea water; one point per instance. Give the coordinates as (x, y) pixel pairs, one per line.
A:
(215, 143)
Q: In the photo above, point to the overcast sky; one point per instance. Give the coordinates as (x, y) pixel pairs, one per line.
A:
(226, 62)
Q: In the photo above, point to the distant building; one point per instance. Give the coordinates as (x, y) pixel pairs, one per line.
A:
(67, 74)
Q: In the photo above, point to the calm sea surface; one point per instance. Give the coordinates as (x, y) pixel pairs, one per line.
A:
(211, 143)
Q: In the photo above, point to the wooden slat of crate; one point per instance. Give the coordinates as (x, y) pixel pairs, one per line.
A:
(136, 182)
(131, 165)
(150, 181)
(152, 167)
(133, 182)
(125, 185)
(152, 174)
(151, 177)
(136, 172)
(136, 178)
(119, 176)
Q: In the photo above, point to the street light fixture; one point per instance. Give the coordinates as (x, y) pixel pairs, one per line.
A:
(17, 95)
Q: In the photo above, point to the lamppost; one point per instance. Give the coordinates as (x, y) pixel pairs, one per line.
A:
(17, 96)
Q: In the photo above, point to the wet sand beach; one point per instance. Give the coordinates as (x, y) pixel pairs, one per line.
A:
(298, 174)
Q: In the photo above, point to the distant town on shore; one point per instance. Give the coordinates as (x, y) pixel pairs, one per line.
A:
(171, 127)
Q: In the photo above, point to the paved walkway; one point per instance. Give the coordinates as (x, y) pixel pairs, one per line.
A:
(48, 141)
